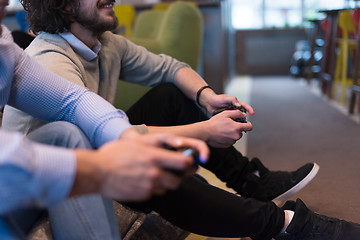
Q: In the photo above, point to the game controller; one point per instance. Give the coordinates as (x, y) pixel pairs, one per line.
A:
(195, 155)
(186, 152)
(232, 107)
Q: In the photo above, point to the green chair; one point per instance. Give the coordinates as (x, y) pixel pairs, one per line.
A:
(176, 31)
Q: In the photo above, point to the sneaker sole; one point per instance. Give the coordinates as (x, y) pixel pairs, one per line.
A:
(286, 195)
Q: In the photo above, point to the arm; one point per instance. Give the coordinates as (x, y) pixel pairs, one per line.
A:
(218, 131)
(134, 169)
(30, 174)
(37, 175)
(99, 120)
(146, 68)
(190, 82)
(33, 174)
(60, 60)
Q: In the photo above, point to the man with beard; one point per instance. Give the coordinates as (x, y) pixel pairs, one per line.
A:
(74, 42)
(34, 176)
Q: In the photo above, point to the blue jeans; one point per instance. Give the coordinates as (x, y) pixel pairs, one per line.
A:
(71, 218)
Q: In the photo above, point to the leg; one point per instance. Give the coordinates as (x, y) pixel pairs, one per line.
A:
(61, 134)
(84, 218)
(7, 230)
(195, 206)
(206, 210)
(203, 209)
(21, 222)
(17, 224)
(89, 217)
(166, 105)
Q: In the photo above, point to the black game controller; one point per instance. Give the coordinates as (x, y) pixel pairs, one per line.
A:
(232, 107)
(186, 152)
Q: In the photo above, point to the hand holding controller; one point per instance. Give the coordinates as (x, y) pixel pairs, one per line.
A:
(187, 152)
(232, 107)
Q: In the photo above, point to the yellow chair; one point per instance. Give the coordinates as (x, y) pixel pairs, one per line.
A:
(126, 15)
(160, 6)
(346, 46)
(164, 6)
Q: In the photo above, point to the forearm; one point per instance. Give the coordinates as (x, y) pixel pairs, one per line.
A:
(99, 120)
(195, 130)
(190, 82)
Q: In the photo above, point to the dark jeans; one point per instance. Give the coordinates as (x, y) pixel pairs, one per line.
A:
(197, 206)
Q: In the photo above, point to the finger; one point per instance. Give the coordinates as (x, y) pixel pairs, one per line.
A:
(158, 190)
(199, 146)
(183, 143)
(169, 180)
(234, 114)
(247, 126)
(224, 100)
(191, 171)
(248, 108)
(157, 181)
(236, 102)
(169, 159)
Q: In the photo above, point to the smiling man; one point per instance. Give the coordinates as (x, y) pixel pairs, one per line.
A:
(74, 42)
(35, 176)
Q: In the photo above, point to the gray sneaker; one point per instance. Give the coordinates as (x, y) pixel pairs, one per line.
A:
(307, 225)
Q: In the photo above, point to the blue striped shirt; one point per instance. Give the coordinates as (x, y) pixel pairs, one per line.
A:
(33, 174)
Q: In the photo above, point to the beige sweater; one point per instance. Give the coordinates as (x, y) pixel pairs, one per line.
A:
(118, 58)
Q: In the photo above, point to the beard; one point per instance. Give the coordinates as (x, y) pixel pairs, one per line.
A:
(93, 21)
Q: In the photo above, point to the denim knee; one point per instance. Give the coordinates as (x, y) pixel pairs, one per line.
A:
(62, 134)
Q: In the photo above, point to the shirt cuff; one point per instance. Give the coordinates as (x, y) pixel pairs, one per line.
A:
(112, 130)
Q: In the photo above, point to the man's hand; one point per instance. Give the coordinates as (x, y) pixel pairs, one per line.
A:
(212, 101)
(223, 131)
(135, 169)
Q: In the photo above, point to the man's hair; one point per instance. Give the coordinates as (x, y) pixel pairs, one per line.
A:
(49, 15)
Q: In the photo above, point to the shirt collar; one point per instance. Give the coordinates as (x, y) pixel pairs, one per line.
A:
(6, 34)
(79, 47)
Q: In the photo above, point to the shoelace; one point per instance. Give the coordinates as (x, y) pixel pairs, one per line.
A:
(320, 227)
